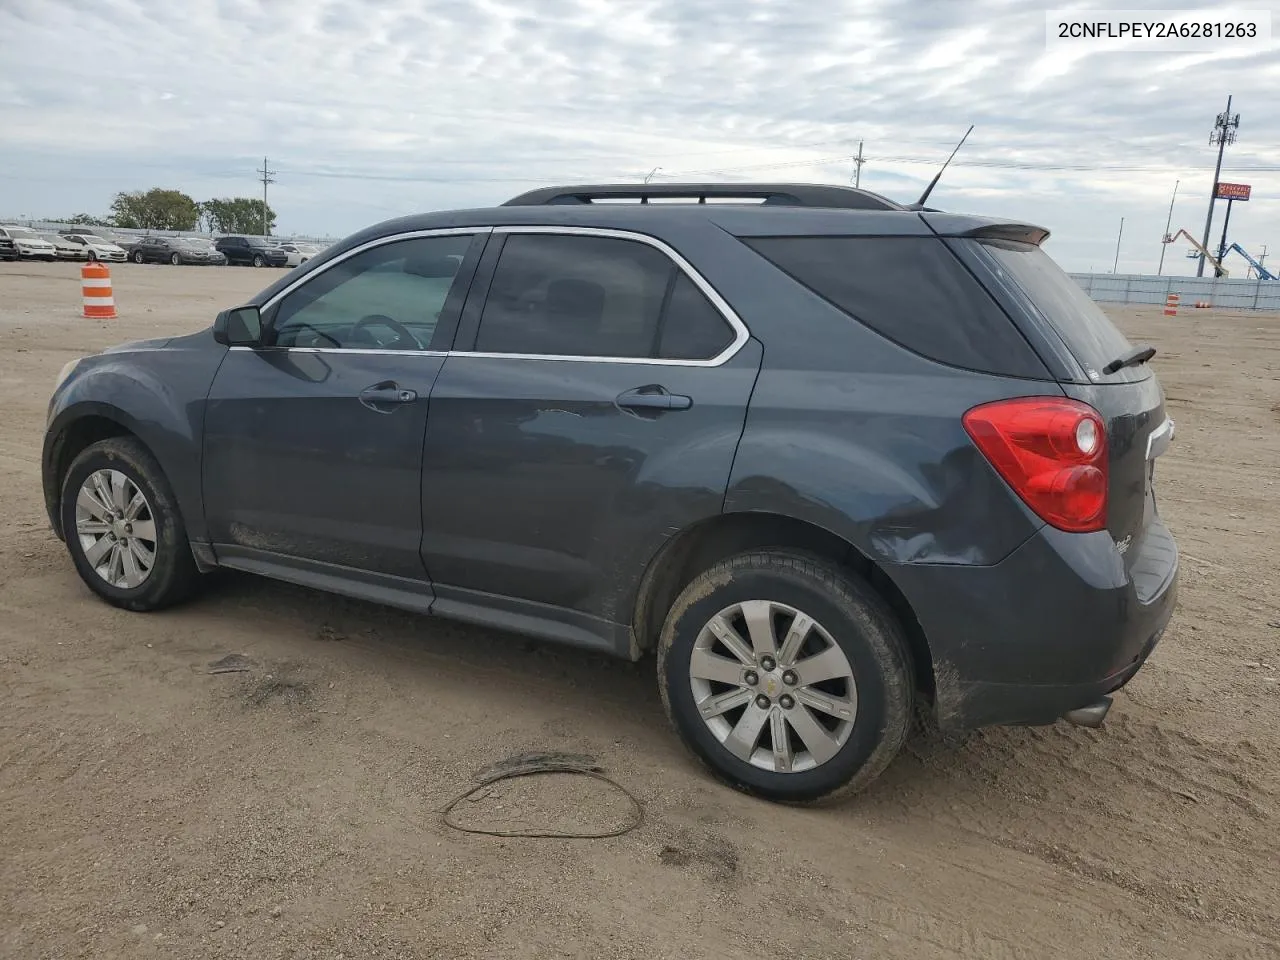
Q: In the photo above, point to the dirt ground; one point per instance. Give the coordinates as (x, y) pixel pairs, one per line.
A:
(149, 808)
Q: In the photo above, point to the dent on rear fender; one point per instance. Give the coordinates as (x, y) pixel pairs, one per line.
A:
(913, 509)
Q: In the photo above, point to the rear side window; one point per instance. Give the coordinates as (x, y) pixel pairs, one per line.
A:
(588, 296)
(911, 290)
(1088, 332)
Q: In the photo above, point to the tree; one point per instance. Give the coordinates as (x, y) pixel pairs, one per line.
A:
(157, 209)
(237, 215)
(87, 220)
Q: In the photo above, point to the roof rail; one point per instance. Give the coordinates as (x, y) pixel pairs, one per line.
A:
(771, 194)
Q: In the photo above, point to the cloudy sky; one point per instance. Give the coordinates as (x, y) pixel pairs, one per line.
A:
(369, 109)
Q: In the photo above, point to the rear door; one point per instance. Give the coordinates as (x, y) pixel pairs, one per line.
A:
(591, 408)
(313, 441)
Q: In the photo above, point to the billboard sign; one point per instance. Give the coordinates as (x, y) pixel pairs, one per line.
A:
(1233, 191)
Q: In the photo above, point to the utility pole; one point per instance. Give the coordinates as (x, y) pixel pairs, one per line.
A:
(1164, 245)
(1263, 259)
(857, 166)
(1224, 132)
(1115, 265)
(267, 177)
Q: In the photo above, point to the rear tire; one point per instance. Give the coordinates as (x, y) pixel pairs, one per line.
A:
(816, 741)
(109, 554)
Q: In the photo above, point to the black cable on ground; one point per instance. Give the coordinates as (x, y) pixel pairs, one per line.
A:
(535, 764)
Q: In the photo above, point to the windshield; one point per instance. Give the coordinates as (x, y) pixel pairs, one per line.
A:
(1088, 332)
(193, 241)
(22, 232)
(257, 242)
(92, 238)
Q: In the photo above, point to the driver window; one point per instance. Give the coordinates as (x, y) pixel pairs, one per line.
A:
(386, 298)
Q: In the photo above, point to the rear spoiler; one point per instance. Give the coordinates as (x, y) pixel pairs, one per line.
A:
(982, 228)
(1021, 232)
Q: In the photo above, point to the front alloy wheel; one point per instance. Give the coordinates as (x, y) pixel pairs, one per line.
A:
(116, 529)
(122, 526)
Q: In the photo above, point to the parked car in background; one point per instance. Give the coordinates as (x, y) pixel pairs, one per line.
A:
(7, 250)
(174, 250)
(96, 247)
(299, 253)
(205, 244)
(840, 463)
(28, 244)
(251, 251)
(63, 248)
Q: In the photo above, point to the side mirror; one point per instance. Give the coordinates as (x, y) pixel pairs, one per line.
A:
(241, 327)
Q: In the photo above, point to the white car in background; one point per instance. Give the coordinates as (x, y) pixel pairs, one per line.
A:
(28, 244)
(96, 247)
(64, 248)
(299, 253)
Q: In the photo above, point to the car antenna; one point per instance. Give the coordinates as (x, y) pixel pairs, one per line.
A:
(919, 204)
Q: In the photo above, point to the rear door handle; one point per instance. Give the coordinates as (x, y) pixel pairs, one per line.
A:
(652, 397)
(384, 394)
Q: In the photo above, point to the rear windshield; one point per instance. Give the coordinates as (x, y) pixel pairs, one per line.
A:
(1088, 332)
(911, 290)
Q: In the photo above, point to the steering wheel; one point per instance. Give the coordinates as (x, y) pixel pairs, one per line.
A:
(404, 336)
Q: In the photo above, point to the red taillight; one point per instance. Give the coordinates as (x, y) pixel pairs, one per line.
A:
(1052, 451)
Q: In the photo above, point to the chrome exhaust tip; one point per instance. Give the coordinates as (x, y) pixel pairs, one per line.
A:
(1090, 716)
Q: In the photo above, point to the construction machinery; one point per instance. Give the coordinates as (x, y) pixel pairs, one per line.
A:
(1263, 272)
(1201, 251)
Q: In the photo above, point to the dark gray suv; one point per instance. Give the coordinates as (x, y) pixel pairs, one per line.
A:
(841, 463)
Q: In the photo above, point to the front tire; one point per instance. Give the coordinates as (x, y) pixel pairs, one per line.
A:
(787, 676)
(122, 527)
(91, 257)
(137, 256)
(175, 260)
(258, 261)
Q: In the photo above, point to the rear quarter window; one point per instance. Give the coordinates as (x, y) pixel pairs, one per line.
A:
(911, 290)
(1061, 303)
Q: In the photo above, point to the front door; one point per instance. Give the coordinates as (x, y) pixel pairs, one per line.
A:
(313, 441)
(592, 408)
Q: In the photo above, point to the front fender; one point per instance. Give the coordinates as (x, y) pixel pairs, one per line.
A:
(158, 395)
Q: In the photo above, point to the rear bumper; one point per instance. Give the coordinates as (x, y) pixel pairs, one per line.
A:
(1058, 624)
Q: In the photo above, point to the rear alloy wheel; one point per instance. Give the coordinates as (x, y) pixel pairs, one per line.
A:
(122, 528)
(137, 256)
(786, 675)
(258, 261)
(175, 260)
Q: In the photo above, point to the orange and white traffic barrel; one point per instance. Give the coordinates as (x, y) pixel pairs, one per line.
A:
(95, 284)
(1171, 305)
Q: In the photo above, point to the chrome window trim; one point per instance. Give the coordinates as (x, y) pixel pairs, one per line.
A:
(740, 331)
(375, 351)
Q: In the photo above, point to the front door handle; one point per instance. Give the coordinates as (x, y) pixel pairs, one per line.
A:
(385, 394)
(652, 397)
